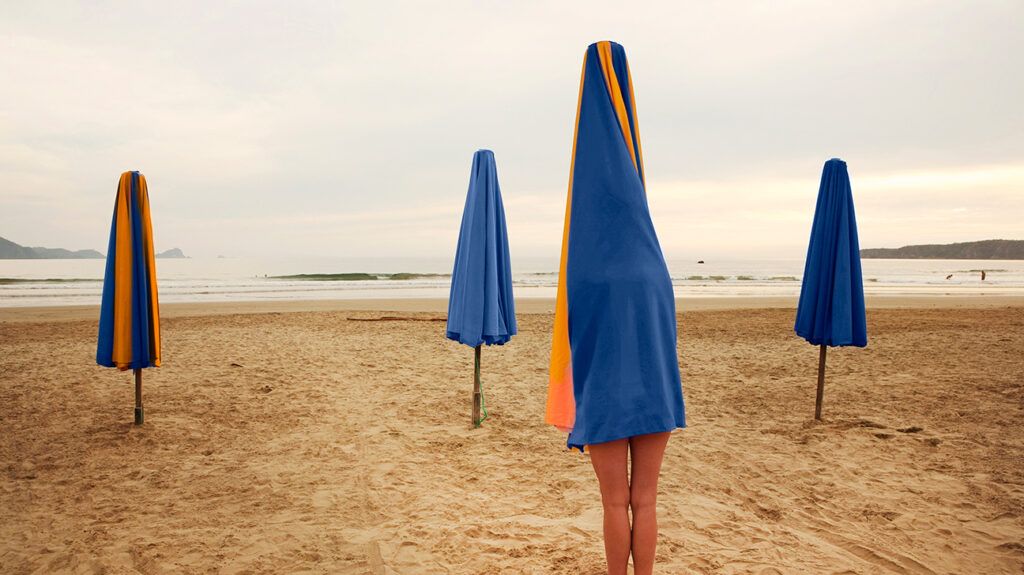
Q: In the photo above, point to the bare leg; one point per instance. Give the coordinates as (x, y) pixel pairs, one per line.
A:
(609, 460)
(646, 452)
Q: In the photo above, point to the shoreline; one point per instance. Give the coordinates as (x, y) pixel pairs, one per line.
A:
(524, 306)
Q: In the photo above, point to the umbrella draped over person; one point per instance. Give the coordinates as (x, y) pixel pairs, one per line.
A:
(129, 330)
(614, 371)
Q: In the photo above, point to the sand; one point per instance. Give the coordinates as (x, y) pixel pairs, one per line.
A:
(525, 305)
(287, 441)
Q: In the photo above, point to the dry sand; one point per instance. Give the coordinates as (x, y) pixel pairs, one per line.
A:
(310, 442)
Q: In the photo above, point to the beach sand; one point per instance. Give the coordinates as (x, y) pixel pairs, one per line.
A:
(288, 439)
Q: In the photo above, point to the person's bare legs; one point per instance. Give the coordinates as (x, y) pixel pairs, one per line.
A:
(646, 452)
(609, 460)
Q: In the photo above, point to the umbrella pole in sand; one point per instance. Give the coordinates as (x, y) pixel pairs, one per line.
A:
(476, 387)
(138, 397)
(821, 382)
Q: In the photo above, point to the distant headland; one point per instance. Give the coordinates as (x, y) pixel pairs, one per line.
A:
(172, 253)
(983, 250)
(12, 251)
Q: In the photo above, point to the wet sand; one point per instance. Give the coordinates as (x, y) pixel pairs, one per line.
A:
(296, 438)
(524, 305)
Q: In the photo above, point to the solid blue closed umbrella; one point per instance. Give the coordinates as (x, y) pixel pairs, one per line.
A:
(480, 307)
(831, 309)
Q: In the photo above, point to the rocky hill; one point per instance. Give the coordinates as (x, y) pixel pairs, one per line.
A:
(12, 251)
(983, 250)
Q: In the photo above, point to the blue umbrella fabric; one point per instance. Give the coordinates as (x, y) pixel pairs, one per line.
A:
(614, 369)
(480, 306)
(831, 308)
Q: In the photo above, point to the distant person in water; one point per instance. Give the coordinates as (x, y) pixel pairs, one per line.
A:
(949, 277)
(982, 275)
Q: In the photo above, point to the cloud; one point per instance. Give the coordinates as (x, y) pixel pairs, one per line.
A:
(771, 217)
(312, 127)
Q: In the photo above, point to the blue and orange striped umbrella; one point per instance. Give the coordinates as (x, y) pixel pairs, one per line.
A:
(129, 331)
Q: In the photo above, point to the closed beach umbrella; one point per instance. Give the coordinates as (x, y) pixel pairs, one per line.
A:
(129, 332)
(614, 371)
(480, 307)
(831, 308)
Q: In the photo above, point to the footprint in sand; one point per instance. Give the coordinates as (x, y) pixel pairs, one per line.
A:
(1013, 546)
(373, 558)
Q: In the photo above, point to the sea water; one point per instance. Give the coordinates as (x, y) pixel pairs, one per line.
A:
(80, 282)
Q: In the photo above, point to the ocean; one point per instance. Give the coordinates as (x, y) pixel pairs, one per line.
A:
(80, 282)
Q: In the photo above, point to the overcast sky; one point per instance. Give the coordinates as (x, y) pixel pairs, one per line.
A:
(293, 128)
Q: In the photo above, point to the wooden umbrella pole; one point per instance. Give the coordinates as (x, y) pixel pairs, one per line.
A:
(138, 397)
(821, 382)
(476, 387)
